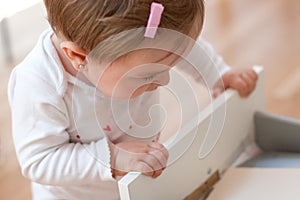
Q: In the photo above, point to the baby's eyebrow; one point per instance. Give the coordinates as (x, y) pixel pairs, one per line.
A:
(155, 73)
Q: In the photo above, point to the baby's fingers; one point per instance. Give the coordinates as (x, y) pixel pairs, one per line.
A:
(250, 83)
(149, 166)
(159, 147)
(240, 85)
(144, 168)
(156, 162)
(250, 78)
(251, 73)
(160, 157)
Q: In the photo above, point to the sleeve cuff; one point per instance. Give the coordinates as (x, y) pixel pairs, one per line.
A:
(104, 159)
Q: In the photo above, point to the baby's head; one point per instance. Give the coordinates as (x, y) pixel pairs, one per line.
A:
(111, 33)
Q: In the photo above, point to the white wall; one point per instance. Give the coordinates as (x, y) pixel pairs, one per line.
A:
(24, 29)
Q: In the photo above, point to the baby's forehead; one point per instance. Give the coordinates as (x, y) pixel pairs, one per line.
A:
(132, 42)
(150, 56)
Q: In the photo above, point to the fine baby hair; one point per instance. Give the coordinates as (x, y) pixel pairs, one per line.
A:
(90, 23)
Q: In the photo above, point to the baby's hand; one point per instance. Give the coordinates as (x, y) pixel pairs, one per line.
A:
(148, 158)
(242, 80)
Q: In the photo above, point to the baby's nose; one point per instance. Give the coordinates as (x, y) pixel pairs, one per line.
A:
(162, 79)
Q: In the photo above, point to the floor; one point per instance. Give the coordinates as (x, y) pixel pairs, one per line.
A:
(245, 32)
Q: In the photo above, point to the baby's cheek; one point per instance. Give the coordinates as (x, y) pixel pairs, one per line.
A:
(126, 90)
(120, 90)
(105, 90)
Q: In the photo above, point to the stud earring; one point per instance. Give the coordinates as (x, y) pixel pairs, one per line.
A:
(81, 67)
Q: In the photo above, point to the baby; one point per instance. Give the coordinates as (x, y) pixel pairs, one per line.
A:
(80, 98)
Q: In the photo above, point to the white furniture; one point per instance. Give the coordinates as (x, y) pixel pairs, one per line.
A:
(205, 147)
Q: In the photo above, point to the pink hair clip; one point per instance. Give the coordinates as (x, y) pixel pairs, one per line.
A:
(154, 19)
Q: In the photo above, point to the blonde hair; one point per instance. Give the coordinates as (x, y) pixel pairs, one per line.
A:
(89, 23)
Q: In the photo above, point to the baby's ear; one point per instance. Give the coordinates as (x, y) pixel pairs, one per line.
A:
(74, 53)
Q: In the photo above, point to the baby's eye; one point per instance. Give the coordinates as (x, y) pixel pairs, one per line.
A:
(149, 78)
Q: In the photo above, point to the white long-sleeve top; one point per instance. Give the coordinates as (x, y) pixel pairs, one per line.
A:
(61, 125)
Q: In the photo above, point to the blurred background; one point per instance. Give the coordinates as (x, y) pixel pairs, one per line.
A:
(244, 32)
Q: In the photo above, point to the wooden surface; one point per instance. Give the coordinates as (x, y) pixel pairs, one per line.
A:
(245, 32)
(258, 184)
(249, 32)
